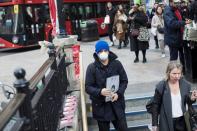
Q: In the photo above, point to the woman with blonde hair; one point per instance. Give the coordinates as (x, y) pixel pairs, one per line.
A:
(170, 99)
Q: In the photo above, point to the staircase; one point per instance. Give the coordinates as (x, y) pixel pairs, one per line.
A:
(137, 117)
(136, 98)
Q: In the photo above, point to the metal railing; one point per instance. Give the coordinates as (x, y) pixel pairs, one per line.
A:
(38, 102)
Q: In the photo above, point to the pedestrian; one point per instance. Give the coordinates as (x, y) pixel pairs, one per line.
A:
(138, 20)
(193, 10)
(153, 12)
(158, 23)
(120, 27)
(170, 99)
(105, 66)
(111, 14)
(184, 10)
(174, 26)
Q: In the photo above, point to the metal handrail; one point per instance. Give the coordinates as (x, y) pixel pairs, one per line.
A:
(10, 109)
(82, 91)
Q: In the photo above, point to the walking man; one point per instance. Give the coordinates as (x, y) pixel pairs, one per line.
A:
(173, 35)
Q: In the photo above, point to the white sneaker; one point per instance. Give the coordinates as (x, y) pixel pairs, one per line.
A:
(163, 55)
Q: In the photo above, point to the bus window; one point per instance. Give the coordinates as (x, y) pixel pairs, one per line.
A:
(29, 15)
(89, 11)
(100, 10)
(73, 11)
(66, 11)
(81, 12)
(11, 23)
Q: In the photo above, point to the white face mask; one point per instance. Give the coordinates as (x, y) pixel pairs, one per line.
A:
(103, 56)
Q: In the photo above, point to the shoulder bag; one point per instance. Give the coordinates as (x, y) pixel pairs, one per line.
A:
(151, 102)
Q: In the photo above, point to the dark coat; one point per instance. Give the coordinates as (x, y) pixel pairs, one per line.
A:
(111, 14)
(172, 33)
(193, 11)
(140, 20)
(96, 76)
(165, 106)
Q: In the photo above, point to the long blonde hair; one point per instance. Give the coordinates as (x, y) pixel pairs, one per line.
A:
(172, 65)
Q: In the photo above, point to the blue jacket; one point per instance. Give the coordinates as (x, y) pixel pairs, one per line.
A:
(172, 34)
(96, 76)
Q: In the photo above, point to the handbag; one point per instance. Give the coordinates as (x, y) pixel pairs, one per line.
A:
(135, 32)
(107, 19)
(190, 117)
(160, 29)
(151, 102)
(144, 34)
(153, 30)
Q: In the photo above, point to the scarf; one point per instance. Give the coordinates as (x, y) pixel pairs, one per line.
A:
(178, 15)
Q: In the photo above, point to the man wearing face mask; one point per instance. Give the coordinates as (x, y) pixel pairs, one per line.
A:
(105, 66)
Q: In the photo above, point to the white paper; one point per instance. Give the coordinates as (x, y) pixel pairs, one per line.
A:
(112, 83)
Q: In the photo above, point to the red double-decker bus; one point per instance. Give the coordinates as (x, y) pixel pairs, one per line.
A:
(25, 22)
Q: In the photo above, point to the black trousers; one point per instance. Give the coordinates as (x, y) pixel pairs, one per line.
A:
(120, 125)
(179, 124)
(110, 32)
(174, 52)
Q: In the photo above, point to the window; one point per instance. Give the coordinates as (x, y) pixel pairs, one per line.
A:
(89, 12)
(66, 11)
(10, 22)
(100, 10)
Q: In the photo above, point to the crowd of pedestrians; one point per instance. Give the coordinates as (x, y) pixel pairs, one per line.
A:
(166, 22)
(172, 95)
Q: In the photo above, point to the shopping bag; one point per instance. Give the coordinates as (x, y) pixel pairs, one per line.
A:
(144, 34)
(107, 19)
(153, 30)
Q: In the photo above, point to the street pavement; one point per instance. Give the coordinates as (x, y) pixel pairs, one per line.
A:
(31, 61)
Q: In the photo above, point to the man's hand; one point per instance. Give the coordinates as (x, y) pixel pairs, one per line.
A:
(114, 97)
(105, 92)
(194, 95)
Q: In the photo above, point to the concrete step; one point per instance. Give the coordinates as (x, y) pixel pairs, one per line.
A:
(130, 102)
(138, 125)
(132, 114)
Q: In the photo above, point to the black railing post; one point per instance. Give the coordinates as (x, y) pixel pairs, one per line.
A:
(25, 110)
(52, 55)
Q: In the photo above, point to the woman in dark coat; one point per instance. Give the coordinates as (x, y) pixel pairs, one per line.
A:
(138, 19)
(105, 66)
(170, 99)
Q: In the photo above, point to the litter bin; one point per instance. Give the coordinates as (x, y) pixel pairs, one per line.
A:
(190, 53)
(89, 31)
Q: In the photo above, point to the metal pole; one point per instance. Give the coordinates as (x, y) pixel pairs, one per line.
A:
(83, 102)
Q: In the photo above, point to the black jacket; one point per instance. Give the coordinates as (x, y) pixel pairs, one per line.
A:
(163, 108)
(96, 76)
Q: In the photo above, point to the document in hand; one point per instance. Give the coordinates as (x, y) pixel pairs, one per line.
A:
(112, 83)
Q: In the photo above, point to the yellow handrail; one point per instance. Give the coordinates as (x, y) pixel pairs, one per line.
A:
(82, 90)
